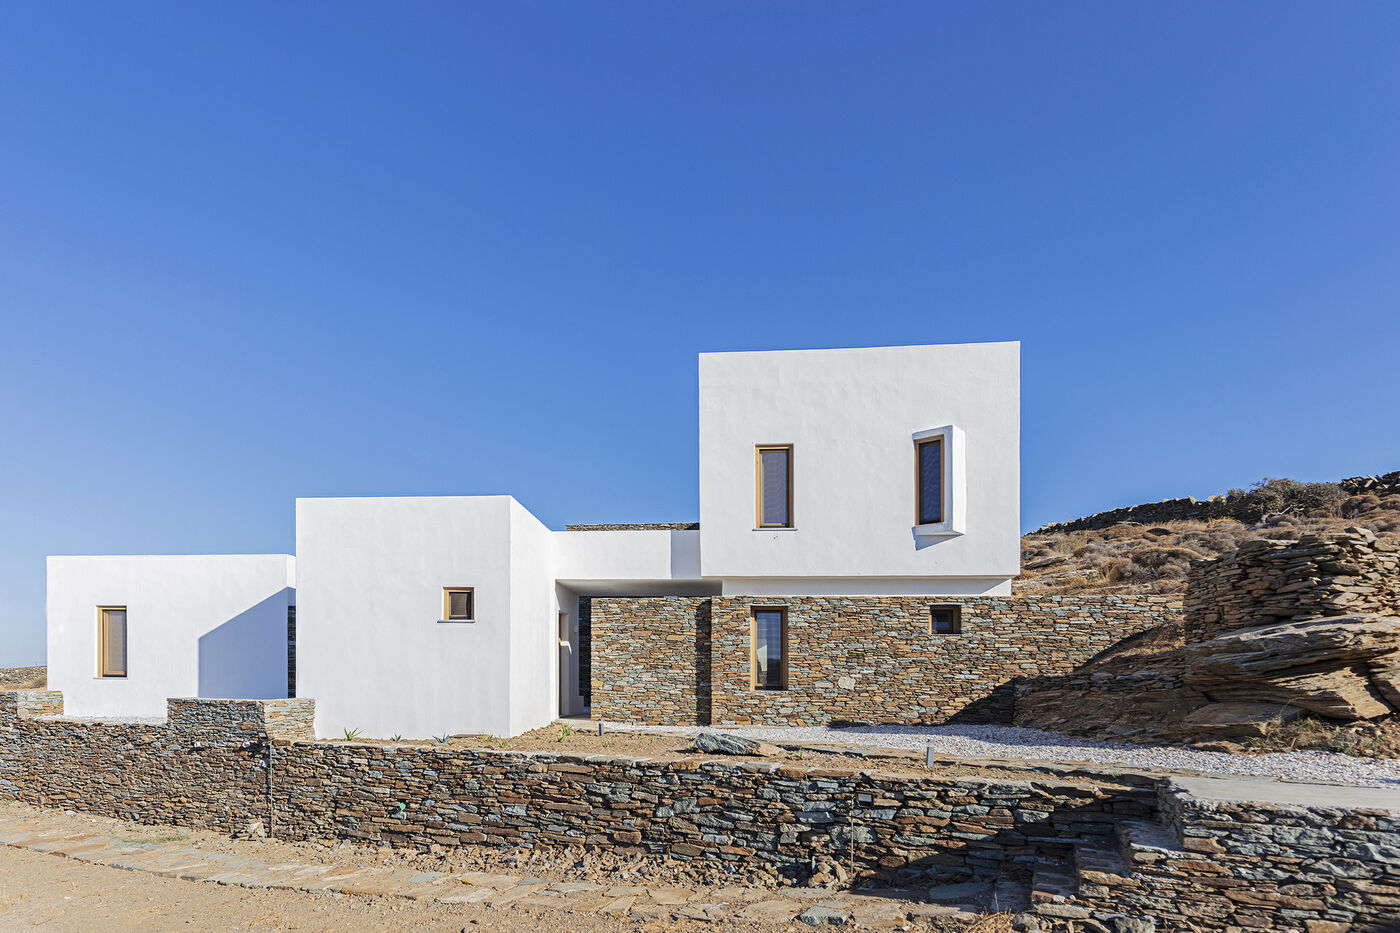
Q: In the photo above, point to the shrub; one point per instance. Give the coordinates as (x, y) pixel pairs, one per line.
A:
(1269, 496)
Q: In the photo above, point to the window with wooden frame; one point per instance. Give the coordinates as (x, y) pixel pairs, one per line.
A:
(458, 604)
(773, 485)
(768, 649)
(111, 641)
(929, 470)
(944, 620)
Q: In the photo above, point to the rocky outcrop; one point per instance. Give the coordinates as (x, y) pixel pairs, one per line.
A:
(1322, 665)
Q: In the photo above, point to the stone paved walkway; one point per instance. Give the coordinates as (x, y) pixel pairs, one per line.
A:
(57, 833)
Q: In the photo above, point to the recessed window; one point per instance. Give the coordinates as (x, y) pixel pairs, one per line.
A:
(111, 641)
(944, 620)
(773, 466)
(458, 604)
(768, 649)
(929, 465)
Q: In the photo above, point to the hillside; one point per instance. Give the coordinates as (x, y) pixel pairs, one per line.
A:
(1130, 550)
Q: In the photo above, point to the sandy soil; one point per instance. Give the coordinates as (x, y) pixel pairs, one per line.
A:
(48, 893)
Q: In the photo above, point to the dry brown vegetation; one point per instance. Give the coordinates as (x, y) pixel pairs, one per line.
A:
(1153, 558)
(24, 678)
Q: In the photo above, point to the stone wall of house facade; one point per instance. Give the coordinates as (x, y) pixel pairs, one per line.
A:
(686, 660)
(1263, 581)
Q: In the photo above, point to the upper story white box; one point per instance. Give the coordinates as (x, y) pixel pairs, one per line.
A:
(854, 421)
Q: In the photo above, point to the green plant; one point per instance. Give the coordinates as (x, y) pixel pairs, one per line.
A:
(352, 734)
(442, 739)
(1273, 496)
(564, 731)
(396, 738)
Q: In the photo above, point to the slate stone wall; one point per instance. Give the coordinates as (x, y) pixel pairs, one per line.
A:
(1262, 582)
(1225, 865)
(849, 659)
(206, 765)
(1144, 855)
(647, 657)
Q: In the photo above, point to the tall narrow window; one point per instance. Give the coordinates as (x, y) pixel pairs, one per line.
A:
(457, 604)
(929, 464)
(774, 469)
(111, 641)
(768, 648)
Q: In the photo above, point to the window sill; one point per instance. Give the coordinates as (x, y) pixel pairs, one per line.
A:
(778, 528)
(937, 529)
(456, 621)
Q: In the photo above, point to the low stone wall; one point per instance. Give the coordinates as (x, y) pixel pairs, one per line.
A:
(1270, 581)
(849, 659)
(1228, 865)
(206, 765)
(1139, 853)
(222, 763)
(1187, 508)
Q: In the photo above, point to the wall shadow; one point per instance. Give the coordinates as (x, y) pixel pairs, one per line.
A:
(245, 658)
(703, 685)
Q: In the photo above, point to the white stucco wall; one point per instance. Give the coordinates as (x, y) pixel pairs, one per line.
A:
(851, 416)
(370, 647)
(629, 562)
(534, 620)
(197, 625)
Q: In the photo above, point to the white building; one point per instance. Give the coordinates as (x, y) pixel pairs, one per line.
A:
(883, 471)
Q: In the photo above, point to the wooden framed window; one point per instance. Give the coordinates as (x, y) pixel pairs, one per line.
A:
(458, 604)
(773, 485)
(944, 620)
(111, 641)
(768, 649)
(929, 470)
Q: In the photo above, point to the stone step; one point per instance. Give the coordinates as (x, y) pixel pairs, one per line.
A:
(1099, 858)
(1142, 842)
(1052, 881)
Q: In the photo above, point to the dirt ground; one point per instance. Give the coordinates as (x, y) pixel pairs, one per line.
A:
(56, 895)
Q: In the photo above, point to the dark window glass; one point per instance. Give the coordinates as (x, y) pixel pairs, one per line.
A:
(459, 604)
(931, 481)
(775, 467)
(768, 649)
(945, 620)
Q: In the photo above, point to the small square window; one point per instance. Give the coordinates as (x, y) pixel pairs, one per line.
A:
(944, 620)
(458, 604)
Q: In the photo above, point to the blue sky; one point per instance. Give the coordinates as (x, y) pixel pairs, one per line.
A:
(258, 251)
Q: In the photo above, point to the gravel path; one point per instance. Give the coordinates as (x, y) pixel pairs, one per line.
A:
(1012, 742)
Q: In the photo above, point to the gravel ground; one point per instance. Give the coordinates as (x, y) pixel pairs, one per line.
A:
(981, 742)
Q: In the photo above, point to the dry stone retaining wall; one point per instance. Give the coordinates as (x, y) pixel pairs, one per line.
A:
(206, 765)
(1269, 581)
(1144, 855)
(849, 659)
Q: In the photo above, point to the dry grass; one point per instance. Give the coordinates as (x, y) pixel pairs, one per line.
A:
(999, 922)
(1364, 740)
(1153, 559)
(24, 678)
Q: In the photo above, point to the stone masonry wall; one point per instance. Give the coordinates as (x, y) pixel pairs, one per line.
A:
(206, 765)
(220, 764)
(1229, 865)
(849, 659)
(1270, 581)
(1146, 855)
(656, 653)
